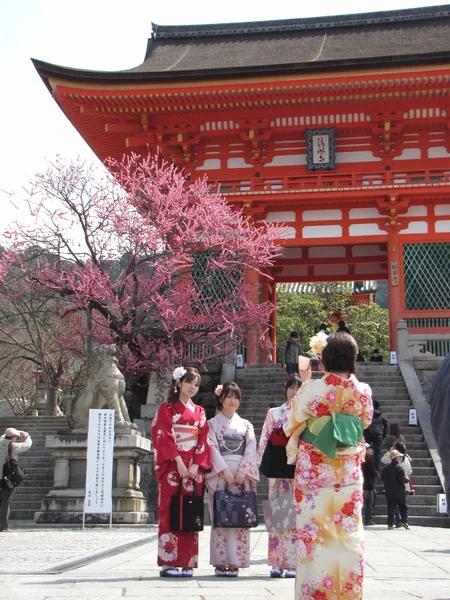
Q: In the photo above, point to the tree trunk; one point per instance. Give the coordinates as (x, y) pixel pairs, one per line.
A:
(52, 402)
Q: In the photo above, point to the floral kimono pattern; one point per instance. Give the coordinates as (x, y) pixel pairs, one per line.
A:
(230, 546)
(328, 493)
(178, 429)
(282, 550)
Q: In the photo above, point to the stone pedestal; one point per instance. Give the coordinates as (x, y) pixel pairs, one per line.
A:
(64, 503)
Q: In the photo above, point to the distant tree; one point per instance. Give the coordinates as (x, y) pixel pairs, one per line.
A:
(151, 262)
(38, 333)
(303, 312)
(369, 324)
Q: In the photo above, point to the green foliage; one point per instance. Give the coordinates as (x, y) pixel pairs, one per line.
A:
(303, 312)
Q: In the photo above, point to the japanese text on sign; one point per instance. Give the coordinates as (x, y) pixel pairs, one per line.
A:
(99, 469)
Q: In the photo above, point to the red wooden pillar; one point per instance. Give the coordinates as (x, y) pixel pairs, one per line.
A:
(252, 280)
(395, 283)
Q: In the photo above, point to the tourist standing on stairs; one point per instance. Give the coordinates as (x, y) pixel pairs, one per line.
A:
(233, 466)
(181, 455)
(370, 475)
(393, 477)
(376, 432)
(326, 422)
(282, 553)
(14, 442)
(394, 436)
(291, 352)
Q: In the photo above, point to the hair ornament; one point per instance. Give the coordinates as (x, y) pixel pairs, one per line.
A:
(317, 343)
(178, 373)
(218, 390)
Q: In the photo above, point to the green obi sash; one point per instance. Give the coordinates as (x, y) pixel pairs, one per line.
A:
(333, 431)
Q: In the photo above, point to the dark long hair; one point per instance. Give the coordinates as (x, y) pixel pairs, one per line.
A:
(174, 390)
(228, 387)
(290, 381)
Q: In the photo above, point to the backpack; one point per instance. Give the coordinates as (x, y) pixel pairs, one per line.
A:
(13, 472)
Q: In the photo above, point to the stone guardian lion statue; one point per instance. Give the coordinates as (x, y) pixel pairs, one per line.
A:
(104, 389)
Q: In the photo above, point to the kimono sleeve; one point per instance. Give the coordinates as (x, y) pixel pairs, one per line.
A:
(296, 417)
(248, 462)
(366, 413)
(297, 414)
(218, 463)
(165, 448)
(202, 456)
(265, 435)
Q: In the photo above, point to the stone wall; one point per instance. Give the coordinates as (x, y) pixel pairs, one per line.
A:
(426, 372)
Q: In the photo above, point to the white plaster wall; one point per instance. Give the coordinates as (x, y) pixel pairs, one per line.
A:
(441, 210)
(416, 211)
(438, 152)
(349, 157)
(364, 213)
(209, 164)
(409, 154)
(365, 229)
(281, 217)
(322, 215)
(322, 231)
(415, 227)
(442, 226)
(289, 160)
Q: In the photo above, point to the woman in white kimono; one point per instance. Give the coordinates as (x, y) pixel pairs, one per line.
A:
(282, 552)
(233, 459)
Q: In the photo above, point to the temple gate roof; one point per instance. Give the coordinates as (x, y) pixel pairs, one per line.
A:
(401, 37)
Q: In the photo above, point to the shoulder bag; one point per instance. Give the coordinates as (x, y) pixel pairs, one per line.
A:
(13, 472)
(274, 460)
(279, 513)
(186, 511)
(235, 510)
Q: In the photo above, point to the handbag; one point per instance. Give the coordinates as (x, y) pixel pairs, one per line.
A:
(279, 513)
(274, 460)
(186, 511)
(13, 472)
(235, 510)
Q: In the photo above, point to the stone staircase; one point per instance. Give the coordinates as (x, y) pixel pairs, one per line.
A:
(38, 463)
(263, 385)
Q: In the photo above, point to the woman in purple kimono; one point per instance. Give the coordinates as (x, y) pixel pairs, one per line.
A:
(282, 554)
(233, 459)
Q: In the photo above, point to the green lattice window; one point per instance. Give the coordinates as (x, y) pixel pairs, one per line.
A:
(215, 284)
(427, 275)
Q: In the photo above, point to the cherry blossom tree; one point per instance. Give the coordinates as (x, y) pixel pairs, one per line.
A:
(145, 259)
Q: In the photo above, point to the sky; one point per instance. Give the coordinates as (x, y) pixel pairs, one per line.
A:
(104, 35)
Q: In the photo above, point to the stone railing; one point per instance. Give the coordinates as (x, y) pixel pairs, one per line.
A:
(414, 364)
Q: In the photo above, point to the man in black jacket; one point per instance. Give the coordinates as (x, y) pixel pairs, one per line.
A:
(370, 475)
(291, 353)
(376, 432)
(393, 477)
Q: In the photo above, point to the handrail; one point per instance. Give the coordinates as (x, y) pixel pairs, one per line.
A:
(332, 181)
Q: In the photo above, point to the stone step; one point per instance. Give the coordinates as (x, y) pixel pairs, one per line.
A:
(418, 521)
(41, 487)
(21, 515)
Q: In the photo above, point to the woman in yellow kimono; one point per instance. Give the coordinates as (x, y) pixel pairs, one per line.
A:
(326, 421)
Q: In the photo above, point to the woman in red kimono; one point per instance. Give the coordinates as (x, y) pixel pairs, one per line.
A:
(181, 453)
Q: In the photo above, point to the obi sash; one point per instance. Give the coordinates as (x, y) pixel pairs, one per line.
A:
(333, 431)
(232, 444)
(186, 435)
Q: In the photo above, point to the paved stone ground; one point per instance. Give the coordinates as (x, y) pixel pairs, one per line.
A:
(400, 565)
